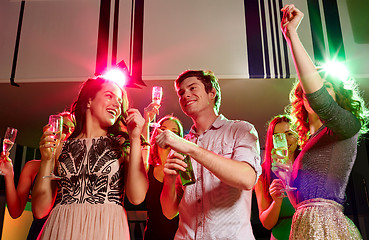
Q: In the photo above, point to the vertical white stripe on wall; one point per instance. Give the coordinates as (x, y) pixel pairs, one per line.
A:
(275, 44)
(124, 32)
(324, 26)
(304, 31)
(34, 153)
(269, 38)
(282, 42)
(24, 156)
(111, 29)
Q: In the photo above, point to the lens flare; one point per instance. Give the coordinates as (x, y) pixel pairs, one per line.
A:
(117, 76)
(337, 69)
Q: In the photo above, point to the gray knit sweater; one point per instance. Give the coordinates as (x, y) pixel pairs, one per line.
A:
(323, 167)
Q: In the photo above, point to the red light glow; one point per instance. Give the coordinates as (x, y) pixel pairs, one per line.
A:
(117, 76)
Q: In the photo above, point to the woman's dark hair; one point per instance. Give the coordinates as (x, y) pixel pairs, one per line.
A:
(154, 154)
(88, 91)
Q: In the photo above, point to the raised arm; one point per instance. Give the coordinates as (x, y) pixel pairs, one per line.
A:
(306, 70)
(44, 191)
(16, 199)
(149, 113)
(136, 181)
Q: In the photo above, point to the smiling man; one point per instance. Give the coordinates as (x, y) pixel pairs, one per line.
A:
(226, 161)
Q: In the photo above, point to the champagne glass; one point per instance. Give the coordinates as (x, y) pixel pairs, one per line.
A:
(9, 139)
(281, 166)
(56, 126)
(157, 94)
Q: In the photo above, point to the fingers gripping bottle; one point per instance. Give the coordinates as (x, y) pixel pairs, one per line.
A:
(187, 177)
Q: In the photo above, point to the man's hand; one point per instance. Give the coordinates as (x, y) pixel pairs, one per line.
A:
(168, 138)
(174, 164)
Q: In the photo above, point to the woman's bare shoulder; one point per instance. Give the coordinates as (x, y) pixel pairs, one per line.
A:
(32, 164)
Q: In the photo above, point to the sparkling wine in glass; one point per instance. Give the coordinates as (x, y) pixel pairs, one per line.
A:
(281, 166)
(56, 126)
(157, 94)
(9, 139)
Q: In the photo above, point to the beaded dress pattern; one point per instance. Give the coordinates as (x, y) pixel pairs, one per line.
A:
(90, 180)
(89, 202)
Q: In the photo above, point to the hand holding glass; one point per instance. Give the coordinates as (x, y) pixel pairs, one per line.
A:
(157, 94)
(56, 126)
(9, 139)
(281, 166)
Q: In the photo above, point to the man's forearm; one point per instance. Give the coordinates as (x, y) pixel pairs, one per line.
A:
(234, 173)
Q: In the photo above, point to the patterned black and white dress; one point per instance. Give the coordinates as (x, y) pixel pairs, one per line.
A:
(90, 193)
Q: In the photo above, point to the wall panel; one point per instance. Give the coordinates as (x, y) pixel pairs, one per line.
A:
(208, 34)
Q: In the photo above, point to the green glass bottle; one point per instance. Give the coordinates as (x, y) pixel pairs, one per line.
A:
(187, 177)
